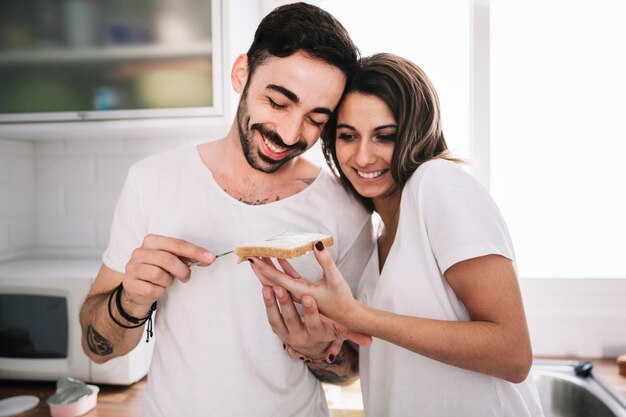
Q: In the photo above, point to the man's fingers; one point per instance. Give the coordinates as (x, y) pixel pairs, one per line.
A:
(153, 275)
(312, 317)
(163, 260)
(290, 314)
(274, 317)
(178, 247)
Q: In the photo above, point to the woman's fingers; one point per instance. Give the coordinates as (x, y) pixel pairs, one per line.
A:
(270, 273)
(359, 338)
(288, 269)
(333, 350)
(326, 261)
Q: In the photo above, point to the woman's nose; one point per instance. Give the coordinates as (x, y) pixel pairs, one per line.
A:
(365, 154)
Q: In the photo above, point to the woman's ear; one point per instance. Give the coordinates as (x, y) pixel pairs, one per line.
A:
(239, 73)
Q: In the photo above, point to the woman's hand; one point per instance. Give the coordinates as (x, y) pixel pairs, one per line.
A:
(309, 337)
(332, 293)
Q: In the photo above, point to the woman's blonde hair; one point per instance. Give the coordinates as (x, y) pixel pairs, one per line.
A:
(413, 101)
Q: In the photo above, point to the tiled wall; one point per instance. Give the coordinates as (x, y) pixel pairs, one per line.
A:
(57, 197)
(17, 197)
(77, 184)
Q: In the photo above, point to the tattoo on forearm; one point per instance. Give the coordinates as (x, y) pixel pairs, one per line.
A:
(97, 343)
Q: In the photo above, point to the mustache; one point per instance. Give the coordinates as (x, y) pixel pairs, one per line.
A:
(275, 138)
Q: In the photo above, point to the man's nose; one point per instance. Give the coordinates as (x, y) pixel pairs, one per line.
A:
(291, 132)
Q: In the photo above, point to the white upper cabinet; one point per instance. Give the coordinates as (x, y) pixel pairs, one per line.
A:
(70, 60)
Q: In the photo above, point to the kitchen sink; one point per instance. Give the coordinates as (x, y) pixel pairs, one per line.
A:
(569, 389)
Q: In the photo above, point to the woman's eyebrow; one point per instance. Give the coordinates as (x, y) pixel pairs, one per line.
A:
(385, 127)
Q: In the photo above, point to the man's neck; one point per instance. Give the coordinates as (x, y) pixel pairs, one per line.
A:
(229, 167)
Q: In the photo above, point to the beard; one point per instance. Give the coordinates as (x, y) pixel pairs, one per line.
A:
(255, 158)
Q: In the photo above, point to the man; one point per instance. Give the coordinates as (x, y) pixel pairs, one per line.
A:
(215, 353)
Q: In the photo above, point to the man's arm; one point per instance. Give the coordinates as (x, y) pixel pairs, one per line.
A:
(102, 338)
(151, 269)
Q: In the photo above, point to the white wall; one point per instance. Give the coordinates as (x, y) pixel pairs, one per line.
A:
(17, 196)
(59, 182)
(77, 184)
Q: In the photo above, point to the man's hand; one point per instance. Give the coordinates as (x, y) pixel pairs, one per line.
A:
(314, 338)
(153, 268)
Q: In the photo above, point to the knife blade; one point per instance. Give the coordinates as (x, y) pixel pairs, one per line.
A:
(194, 263)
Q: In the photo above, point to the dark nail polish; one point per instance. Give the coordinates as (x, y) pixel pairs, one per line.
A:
(319, 245)
(284, 346)
(331, 357)
(308, 361)
(251, 260)
(301, 358)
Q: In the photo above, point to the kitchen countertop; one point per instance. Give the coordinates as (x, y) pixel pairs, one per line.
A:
(127, 401)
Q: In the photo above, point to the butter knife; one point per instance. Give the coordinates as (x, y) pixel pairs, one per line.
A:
(194, 263)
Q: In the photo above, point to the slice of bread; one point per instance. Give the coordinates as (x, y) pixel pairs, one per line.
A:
(285, 246)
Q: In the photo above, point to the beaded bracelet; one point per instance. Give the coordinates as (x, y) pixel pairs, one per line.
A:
(136, 322)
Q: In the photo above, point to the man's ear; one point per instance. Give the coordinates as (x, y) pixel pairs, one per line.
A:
(239, 73)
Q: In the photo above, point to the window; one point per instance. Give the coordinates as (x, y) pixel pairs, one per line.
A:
(432, 34)
(556, 135)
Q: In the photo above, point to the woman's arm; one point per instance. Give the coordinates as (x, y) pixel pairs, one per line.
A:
(494, 342)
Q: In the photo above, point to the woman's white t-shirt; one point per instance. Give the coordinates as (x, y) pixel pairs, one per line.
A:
(446, 217)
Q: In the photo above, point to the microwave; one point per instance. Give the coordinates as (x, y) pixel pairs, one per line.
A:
(40, 333)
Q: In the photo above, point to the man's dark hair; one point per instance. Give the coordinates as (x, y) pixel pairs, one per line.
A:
(305, 28)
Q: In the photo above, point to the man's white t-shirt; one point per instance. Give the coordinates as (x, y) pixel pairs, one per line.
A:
(446, 217)
(215, 353)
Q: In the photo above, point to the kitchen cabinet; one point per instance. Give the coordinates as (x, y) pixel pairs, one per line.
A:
(71, 60)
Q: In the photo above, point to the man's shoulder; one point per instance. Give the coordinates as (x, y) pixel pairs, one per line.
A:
(165, 159)
(332, 190)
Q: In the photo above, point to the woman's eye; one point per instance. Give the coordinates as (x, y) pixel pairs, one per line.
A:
(345, 136)
(276, 105)
(387, 138)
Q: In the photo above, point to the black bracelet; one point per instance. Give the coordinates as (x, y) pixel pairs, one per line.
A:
(137, 322)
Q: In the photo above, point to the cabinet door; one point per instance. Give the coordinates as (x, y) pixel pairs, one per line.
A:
(109, 59)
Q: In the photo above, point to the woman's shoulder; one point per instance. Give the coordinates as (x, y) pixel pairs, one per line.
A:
(439, 172)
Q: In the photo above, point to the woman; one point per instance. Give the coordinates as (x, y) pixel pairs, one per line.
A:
(443, 303)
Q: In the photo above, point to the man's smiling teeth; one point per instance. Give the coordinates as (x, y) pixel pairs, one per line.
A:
(273, 148)
(369, 175)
